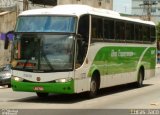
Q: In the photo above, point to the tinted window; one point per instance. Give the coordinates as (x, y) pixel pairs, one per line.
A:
(153, 33)
(108, 29)
(120, 30)
(129, 31)
(46, 24)
(97, 28)
(146, 33)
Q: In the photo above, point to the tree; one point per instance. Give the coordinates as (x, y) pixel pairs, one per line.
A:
(158, 35)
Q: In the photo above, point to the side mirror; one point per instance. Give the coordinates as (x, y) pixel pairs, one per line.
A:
(8, 35)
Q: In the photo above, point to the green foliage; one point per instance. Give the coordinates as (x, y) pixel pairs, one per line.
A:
(158, 35)
(158, 31)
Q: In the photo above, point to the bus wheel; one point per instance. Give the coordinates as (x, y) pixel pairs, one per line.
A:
(139, 82)
(9, 85)
(93, 88)
(42, 95)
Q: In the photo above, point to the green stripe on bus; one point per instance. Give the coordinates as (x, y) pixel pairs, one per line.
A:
(114, 60)
(58, 88)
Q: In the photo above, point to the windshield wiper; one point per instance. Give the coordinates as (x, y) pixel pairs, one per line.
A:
(48, 62)
(38, 71)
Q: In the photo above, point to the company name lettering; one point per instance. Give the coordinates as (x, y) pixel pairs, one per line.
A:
(121, 54)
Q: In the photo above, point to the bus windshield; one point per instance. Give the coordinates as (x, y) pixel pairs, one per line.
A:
(46, 24)
(41, 52)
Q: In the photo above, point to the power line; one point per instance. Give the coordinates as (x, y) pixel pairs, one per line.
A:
(147, 6)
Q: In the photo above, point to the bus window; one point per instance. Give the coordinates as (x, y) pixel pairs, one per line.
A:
(153, 34)
(138, 32)
(129, 31)
(97, 28)
(31, 47)
(46, 24)
(108, 29)
(120, 32)
(82, 42)
(146, 33)
(83, 27)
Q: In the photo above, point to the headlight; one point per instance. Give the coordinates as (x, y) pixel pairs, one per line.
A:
(63, 80)
(17, 78)
(8, 74)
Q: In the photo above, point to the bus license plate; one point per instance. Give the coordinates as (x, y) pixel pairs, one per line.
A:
(38, 88)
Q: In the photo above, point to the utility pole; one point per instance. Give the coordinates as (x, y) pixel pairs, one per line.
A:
(25, 5)
(147, 6)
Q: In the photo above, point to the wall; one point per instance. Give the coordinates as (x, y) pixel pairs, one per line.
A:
(106, 4)
(7, 23)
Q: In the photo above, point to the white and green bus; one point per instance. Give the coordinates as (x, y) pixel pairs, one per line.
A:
(77, 48)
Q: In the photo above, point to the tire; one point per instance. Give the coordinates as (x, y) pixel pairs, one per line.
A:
(93, 88)
(42, 95)
(140, 79)
(9, 85)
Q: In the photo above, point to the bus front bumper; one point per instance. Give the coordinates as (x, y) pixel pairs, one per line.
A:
(58, 88)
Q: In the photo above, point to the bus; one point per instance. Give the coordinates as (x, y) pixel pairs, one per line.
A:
(71, 49)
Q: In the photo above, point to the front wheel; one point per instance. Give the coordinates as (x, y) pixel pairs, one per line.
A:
(42, 95)
(93, 88)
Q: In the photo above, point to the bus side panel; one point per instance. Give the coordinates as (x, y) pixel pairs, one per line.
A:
(116, 64)
(149, 73)
(82, 82)
(149, 62)
(82, 85)
(120, 65)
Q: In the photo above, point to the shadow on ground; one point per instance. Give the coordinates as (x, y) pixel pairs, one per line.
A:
(74, 98)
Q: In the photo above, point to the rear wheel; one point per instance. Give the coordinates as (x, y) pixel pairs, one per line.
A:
(9, 85)
(140, 79)
(42, 95)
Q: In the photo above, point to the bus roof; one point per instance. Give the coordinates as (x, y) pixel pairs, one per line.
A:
(78, 10)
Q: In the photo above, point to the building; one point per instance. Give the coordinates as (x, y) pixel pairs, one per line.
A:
(34, 4)
(7, 23)
(106, 4)
(8, 16)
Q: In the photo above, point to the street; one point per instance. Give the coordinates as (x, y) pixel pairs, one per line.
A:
(58, 44)
(120, 97)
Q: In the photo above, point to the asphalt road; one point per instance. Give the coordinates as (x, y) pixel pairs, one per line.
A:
(118, 98)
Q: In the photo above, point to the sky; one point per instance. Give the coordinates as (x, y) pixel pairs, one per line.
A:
(122, 6)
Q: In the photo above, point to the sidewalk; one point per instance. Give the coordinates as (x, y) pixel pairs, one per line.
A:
(157, 65)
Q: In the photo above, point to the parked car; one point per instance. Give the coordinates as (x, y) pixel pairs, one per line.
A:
(5, 75)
